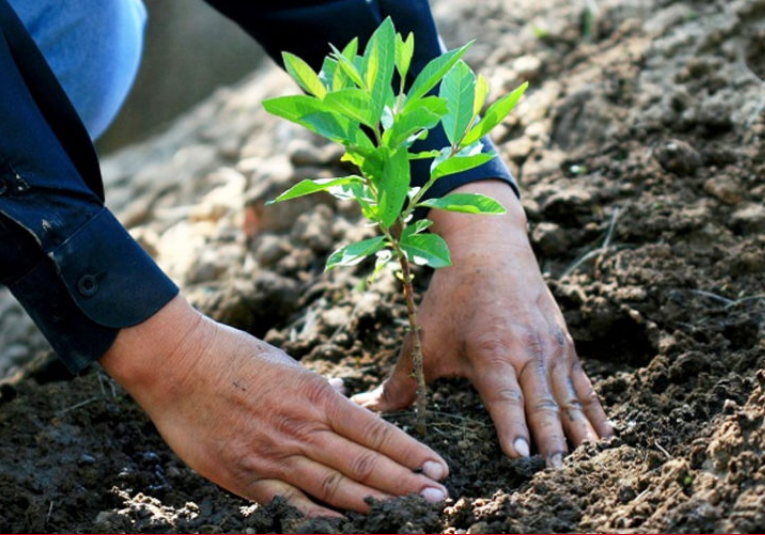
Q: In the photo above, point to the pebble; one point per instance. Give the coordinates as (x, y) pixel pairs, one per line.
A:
(749, 218)
(725, 189)
(678, 157)
(527, 67)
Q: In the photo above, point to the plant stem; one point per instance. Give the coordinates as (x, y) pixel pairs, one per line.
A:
(419, 374)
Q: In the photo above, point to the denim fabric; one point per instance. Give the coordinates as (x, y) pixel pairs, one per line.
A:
(68, 261)
(93, 47)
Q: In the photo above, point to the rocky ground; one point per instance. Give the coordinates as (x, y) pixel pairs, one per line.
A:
(639, 151)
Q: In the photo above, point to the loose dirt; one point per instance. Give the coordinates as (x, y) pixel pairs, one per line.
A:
(640, 154)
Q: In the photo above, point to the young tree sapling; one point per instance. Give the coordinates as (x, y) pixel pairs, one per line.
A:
(353, 101)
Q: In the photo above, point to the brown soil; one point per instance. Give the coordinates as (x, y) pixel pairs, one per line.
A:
(641, 159)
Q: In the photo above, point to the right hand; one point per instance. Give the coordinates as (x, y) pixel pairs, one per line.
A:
(248, 417)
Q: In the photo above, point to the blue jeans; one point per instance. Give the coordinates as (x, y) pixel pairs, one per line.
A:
(94, 48)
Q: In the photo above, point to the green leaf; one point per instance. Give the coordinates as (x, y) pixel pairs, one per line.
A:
(426, 249)
(417, 227)
(433, 73)
(353, 103)
(372, 162)
(404, 54)
(458, 164)
(424, 155)
(304, 75)
(458, 90)
(393, 187)
(468, 203)
(495, 114)
(378, 65)
(307, 187)
(328, 72)
(351, 49)
(424, 115)
(481, 93)
(313, 114)
(332, 126)
(348, 67)
(352, 254)
(294, 107)
(359, 192)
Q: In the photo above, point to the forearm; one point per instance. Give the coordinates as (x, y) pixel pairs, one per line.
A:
(65, 257)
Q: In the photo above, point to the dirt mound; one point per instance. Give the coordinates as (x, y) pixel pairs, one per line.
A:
(639, 151)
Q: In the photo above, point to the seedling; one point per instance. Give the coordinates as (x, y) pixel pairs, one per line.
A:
(357, 100)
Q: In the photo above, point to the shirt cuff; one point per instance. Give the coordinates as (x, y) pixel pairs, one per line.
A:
(494, 169)
(97, 282)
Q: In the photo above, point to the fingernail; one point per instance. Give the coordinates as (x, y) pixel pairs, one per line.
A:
(521, 446)
(433, 495)
(555, 460)
(435, 471)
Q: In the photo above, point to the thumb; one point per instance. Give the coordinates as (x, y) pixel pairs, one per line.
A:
(398, 391)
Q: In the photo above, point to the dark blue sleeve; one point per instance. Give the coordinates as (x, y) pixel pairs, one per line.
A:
(71, 265)
(307, 27)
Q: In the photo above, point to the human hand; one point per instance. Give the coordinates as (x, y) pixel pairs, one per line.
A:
(249, 418)
(491, 318)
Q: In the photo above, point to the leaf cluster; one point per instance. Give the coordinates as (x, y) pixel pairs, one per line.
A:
(360, 99)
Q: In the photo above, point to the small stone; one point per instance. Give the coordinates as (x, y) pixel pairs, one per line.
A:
(271, 248)
(724, 189)
(678, 157)
(315, 229)
(335, 318)
(504, 79)
(527, 67)
(666, 19)
(626, 494)
(750, 218)
(86, 460)
(301, 152)
(550, 238)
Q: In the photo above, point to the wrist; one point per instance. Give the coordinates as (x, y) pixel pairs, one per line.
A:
(150, 359)
(457, 226)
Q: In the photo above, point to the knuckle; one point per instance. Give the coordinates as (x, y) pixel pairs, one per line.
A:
(494, 348)
(287, 494)
(510, 396)
(296, 427)
(316, 391)
(363, 466)
(536, 366)
(546, 406)
(535, 343)
(330, 485)
(378, 433)
(590, 399)
(571, 406)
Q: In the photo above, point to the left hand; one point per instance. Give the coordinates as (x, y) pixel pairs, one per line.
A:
(491, 318)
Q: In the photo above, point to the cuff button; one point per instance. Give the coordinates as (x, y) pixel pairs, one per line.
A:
(87, 285)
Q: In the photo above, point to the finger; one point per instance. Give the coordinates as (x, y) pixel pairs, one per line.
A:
(398, 391)
(542, 412)
(576, 424)
(590, 401)
(265, 490)
(373, 469)
(503, 398)
(337, 384)
(334, 488)
(366, 429)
